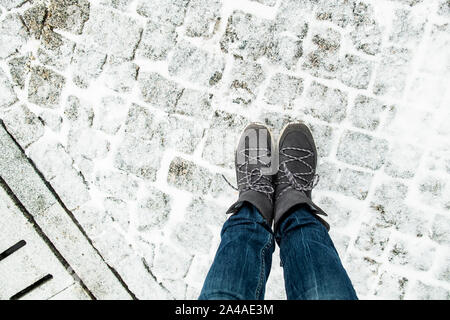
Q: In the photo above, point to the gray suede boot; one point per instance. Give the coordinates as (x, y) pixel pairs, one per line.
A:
(296, 176)
(254, 172)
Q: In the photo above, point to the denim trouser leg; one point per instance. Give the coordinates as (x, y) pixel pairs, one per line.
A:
(243, 260)
(311, 265)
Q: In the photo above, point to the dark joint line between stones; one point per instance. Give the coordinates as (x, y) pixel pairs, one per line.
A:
(147, 267)
(137, 44)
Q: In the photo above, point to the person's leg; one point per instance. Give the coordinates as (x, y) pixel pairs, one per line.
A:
(311, 265)
(243, 260)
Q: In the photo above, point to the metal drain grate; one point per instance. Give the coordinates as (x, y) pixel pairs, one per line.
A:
(13, 249)
(28, 268)
(56, 242)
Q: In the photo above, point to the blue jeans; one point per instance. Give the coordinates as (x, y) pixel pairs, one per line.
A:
(312, 267)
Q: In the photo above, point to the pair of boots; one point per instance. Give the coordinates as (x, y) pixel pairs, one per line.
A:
(276, 183)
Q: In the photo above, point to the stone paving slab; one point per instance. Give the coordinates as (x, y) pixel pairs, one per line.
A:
(130, 110)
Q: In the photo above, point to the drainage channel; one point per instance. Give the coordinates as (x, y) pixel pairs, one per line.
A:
(45, 253)
(28, 268)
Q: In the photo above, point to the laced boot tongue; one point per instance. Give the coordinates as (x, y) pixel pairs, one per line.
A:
(254, 157)
(304, 185)
(257, 182)
(253, 179)
(290, 177)
(302, 175)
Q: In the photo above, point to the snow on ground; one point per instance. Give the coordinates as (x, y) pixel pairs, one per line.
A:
(130, 109)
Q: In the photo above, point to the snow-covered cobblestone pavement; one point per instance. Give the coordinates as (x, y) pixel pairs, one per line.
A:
(130, 111)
